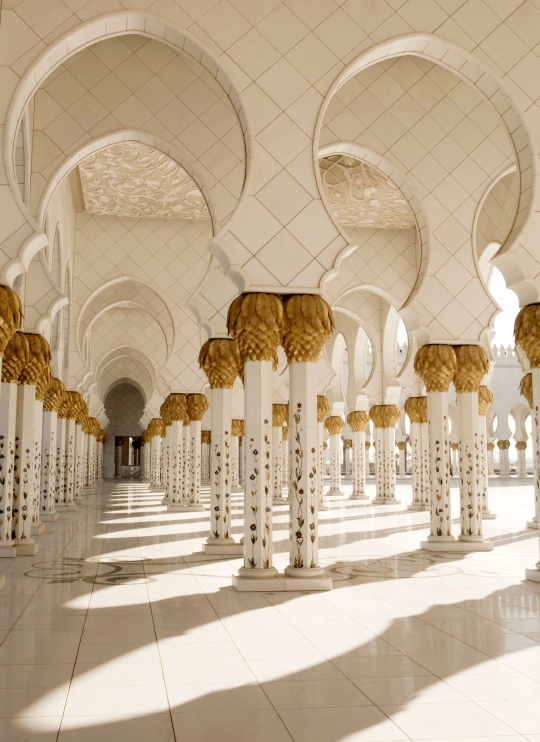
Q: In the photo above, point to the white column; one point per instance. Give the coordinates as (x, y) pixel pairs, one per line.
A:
(439, 473)
(195, 466)
(167, 462)
(186, 464)
(24, 470)
(155, 445)
(205, 457)
(70, 464)
(258, 546)
(487, 514)
(305, 458)
(48, 465)
(366, 460)
(384, 418)
(118, 446)
(358, 420)
(491, 466)
(8, 418)
(402, 448)
(534, 574)
(521, 448)
(277, 462)
(79, 461)
(241, 448)
(176, 443)
(37, 525)
(221, 540)
(235, 446)
(416, 409)
(504, 463)
(323, 502)
(334, 424)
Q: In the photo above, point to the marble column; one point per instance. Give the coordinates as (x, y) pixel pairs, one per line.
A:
(220, 360)
(197, 404)
(8, 419)
(24, 470)
(417, 410)
(37, 523)
(485, 400)
(472, 366)
(347, 457)
(52, 401)
(255, 321)
(79, 457)
(241, 440)
(367, 467)
(323, 408)
(491, 465)
(186, 462)
(402, 448)
(70, 474)
(166, 452)
(504, 463)
(527, 336)
(358, 421)
(279, 416)
(334, 425)
(436, 365)
(237, 427)
(118, 448)
(521, 448)
(308, 323)
(155, 430)
(101, 441)
(285, 461)
(525, 388)
(384, 419)
(206, 440)
(454, 454)
(176, 412)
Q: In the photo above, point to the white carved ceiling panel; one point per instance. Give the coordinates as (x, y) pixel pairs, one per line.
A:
(133, 179)
(360, 195)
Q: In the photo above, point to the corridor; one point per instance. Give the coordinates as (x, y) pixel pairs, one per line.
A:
(120, 629)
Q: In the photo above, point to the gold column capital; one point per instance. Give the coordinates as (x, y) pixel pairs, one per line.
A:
(504, 445)
(384, 415)
(10, 316)
(285, 433)
(16, 355)
(436, 365)
(485, 399)
(206, 436)
(323, 407)
(280, 414)
(527, 333)
(358, 420)
(237, 427)
(325, 445)
(490, 446)
(347, 443)
(334, 424)
(367, 445)
(255, 321)
(176, 407)
(197, 404)
(525, 388)
(416, 409)
(402, 445)
(472, 366)
(54, 395)
(454, 446)
(221, 361)
(521, 445)
(308, 322)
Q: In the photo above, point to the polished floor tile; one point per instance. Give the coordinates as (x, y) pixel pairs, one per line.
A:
(121, 629)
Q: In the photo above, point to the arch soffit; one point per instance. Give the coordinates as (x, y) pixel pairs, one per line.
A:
(129, 305)
(124, 135)
(387, 167)
(110, 284)
(101, 377)
(471, 69)
(126, 380)
(122, 23)
(363, 325)
(124, 351)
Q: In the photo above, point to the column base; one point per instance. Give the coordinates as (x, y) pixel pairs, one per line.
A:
(71, 507)
(334, 493)
(488, 515)
(37, 529)
(359, 496)
(323, 506)
(280, 584)
(26, 546)
(532, 574)
(192, 507)
(8, 550)
(49, 517)
(532, 523)
(418, 507)
(78, 500)
(222, 547)
(522, 476)
(60, 508)
(278, 501)
(157, 488)
(386, 501)
(462, 547)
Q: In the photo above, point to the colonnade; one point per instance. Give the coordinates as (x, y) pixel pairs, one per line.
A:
(51, 450)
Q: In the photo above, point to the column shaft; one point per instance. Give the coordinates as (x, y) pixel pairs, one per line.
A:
(335, 465)
(385, 469)
(439, 469)
(358, 465)
(70, 464)
(24, 470)
(470, 479)
(220, 469)
(277, 460)
(37, 525)
(176, 451)
(195, 463)
(235, 446)
(8, 421)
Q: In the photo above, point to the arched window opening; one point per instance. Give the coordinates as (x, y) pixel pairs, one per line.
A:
(508, 301)
(402, 343)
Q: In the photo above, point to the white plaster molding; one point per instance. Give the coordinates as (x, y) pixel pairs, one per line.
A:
(18, 265)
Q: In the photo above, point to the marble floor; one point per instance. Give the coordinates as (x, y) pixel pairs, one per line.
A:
(120, 629)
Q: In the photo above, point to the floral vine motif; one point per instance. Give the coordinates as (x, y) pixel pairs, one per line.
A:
(466, 472)
(254, 507)
(298, 492)
(267, 510)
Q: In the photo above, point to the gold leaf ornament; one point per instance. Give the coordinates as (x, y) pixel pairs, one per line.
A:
(527, 333)
(10, 316)
(323, 407)
(526, 388)
(472, 366)
(416, 409)
(384, 415)
(54, 396)
(436, 365)
(485, 399)
(308, 322)
(334, 424)
(197, 404)
(16, 355)
(255, 321)
(280, 414)
(221, 361)
(358, 420)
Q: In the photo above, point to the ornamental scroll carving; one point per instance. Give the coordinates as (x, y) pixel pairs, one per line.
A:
(360, 195)
(132, 179)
